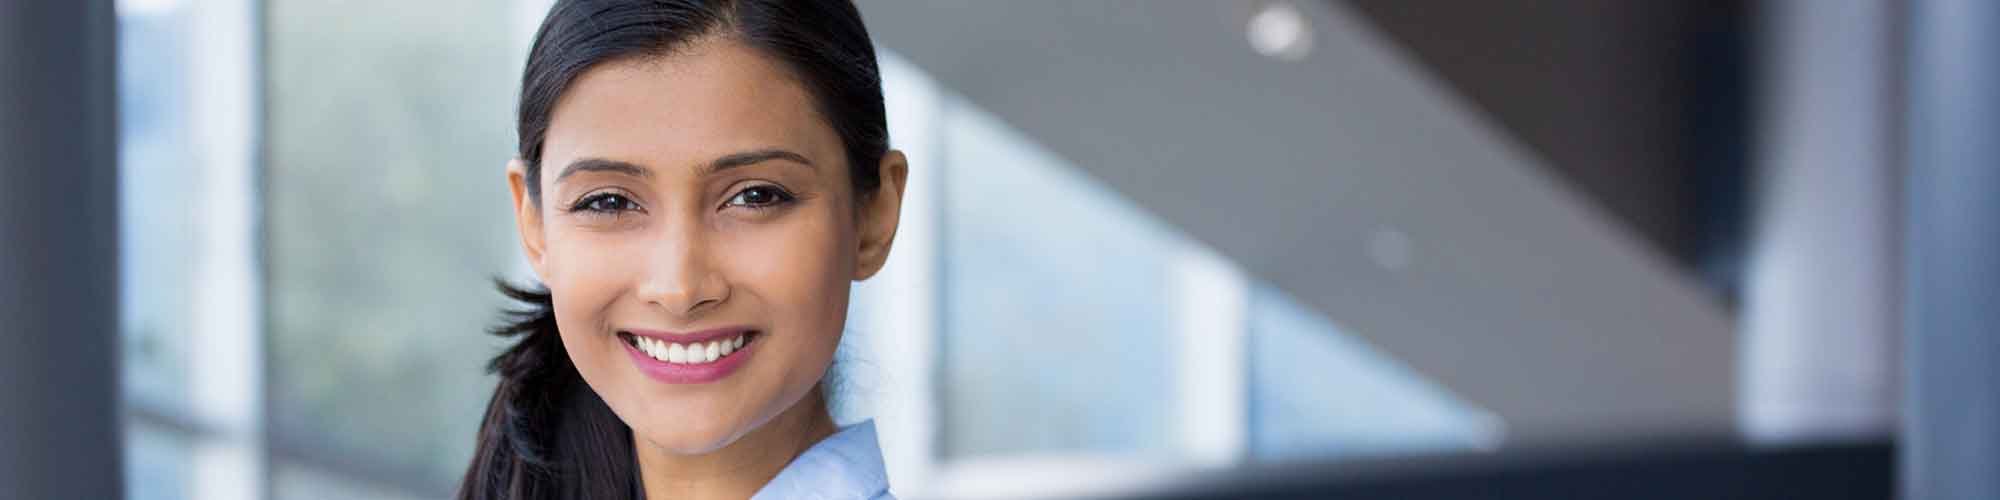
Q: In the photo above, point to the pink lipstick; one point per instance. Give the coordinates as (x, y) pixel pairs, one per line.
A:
(692, 357)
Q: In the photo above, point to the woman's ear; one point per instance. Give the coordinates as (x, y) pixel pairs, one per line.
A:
(527, 218)
(880, 212)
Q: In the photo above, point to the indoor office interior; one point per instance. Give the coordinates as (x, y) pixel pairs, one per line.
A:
(1430, 249)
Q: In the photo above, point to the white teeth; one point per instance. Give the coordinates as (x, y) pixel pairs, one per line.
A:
(690, 353)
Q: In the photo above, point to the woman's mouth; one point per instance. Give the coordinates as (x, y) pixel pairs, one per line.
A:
(695, 358)
(688, 353)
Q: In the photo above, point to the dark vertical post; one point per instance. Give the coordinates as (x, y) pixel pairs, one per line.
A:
(59, 418)
(1951, 427)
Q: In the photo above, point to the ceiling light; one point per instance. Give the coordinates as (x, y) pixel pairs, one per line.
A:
(1281, 31)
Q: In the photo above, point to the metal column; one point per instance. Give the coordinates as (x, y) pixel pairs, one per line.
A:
(59, 423)
(1951, 429)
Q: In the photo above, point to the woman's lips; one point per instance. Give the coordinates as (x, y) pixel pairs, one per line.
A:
(690, 358)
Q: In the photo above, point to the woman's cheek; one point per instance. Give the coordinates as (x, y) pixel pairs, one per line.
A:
(791, 262)
(593, 262)
(586, 270)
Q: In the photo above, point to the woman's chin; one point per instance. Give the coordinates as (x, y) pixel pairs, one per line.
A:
(679, 439)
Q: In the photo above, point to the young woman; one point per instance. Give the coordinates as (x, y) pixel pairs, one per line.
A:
(697, 184)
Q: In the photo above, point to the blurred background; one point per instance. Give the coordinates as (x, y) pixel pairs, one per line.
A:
(1284, 249)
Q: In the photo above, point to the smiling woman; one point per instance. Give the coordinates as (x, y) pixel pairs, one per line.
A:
(717, 175)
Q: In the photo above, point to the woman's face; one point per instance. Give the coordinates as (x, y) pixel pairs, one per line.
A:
(691, 203)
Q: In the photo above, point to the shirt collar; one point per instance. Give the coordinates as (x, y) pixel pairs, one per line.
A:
(846, 465)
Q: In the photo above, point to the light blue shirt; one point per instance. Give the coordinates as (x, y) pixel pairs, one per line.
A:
(844, 466)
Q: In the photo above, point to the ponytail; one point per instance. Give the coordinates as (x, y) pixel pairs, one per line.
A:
(546, 434)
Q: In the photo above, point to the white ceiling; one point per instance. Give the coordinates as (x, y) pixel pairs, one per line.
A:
(1516, 292)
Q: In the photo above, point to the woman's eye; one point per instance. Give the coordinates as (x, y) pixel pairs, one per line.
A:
(606, 203)
(760, 197)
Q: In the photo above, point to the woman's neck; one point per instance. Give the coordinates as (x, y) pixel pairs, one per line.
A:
(741, 468)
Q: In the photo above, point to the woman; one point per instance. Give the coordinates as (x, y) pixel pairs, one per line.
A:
(698, 182)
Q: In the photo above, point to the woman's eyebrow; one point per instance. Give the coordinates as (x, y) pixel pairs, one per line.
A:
(726, 162)
(603, 165)
(754, 157)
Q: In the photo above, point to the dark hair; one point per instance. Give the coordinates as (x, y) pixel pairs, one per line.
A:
(546, 434)
(822, 42)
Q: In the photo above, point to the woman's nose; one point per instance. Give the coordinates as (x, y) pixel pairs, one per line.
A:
(680, 278)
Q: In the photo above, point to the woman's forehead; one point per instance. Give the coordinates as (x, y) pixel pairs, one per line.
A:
(703, 101)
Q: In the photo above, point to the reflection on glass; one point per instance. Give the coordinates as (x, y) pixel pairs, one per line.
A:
(1317, 393)
(156, 464)
(157, 184)
(1059, 330)
(1056, 305)
(157, 232)
(386, 216)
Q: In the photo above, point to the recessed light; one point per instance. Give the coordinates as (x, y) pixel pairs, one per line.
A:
(1281, 31)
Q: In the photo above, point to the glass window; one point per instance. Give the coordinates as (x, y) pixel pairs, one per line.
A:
(157, 189)
(388, 133)
(1319, 393)
(156, 459)
(1056, 300)
(159, 230)
(1063, 308)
